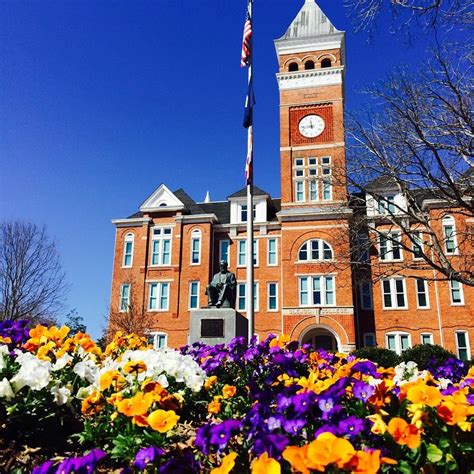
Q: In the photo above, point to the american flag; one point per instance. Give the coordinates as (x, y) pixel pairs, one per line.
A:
(247, 39)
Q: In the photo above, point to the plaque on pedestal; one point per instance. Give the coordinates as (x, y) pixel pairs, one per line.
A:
(216, 325)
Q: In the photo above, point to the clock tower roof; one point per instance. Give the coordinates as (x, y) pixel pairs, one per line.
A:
(311, 26)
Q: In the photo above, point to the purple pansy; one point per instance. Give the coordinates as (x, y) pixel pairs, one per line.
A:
(146, 456)
(273, 444)
(351, 426)
(363, 391)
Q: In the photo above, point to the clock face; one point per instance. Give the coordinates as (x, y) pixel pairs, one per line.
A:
(311, 126)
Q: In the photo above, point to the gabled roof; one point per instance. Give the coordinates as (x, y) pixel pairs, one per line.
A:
(188, 202)
(162, 199)
(243, 192)
(310, 22)
(383, 182)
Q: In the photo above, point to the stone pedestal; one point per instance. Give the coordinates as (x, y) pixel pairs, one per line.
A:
(216, 325)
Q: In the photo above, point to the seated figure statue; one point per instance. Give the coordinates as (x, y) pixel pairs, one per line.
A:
(221, 290)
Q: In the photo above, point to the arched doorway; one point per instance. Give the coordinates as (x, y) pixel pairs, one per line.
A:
(320, 338)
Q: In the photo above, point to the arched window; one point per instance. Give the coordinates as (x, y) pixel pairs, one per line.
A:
(293, 67)
(128, 250)
(314, 250)
(196, 247)
(449, 231)
(326, 62)
(309, 65)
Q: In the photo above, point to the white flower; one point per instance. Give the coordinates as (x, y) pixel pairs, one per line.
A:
(84, 392)
(86, 370)
(61, 395)
(34, 373)
(3, 350)
(406, 372)
(62, 362)
(6, 389)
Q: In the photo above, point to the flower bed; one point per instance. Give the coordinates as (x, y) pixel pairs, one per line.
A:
(268, 407)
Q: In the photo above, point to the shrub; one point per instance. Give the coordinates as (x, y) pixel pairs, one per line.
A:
(382, 357)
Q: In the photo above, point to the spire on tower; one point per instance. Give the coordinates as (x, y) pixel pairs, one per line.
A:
(208, 197)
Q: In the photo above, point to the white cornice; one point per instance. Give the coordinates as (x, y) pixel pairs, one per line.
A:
(133, 222)
(307, 44)
(312, 147)
(312, 213)
(197, 218)
(311, 78)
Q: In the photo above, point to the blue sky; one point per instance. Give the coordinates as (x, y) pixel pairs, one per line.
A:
(101, 101)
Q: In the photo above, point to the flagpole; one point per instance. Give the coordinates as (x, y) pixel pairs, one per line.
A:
(250, 270)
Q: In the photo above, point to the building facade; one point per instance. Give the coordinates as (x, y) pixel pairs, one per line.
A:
(305, 285)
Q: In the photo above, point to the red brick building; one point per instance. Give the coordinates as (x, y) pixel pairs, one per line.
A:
(305, 286)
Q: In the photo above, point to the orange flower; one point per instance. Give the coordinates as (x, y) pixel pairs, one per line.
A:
(227, 464)
(210, 382)
(453, 413)
(381, 395)
(134, 366)
(279, 341)
(328, 449)
(215, 406)
(155, 388)
(368, 462)
(111, 377)
(137, 405)
(44, 350)
(379, 427)
(404, 433)
(5, 340)
(172, 402)
(162, 421)
(94, 403)
(140, 420)
(422, 393)
(266, 465)
(228, 391)
(115, 398)
(297, 457)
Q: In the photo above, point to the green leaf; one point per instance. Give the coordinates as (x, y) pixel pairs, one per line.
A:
(404, 468)
(434, 453)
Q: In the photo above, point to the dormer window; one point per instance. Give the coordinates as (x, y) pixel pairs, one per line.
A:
(309, 65)
(244, 213)
(293, 67)
(326, 62)
(386, 204)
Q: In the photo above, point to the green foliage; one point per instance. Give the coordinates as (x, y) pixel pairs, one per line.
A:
(75, 322)
(382, 357)
(425, 355)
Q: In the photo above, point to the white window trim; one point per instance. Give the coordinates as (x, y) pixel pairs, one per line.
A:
(238, 295)
(155, 335)
(427, 293)
(313, 179)
(195, 236)
(361, 293)
(121, 297)
(190, 294)
(323, 291)
(160, 253)
(366, 335)
(255, 250)
(159, 286)
(393, 294)
(302, 181)
(128, 238)
(385, 204)
(276, 297)
(468, 345)
(426, 334)
(389, 241)
(276, 252)
(228, 250)
(461, 293)
(421, 244)
(256, 296)
(321, 243)
(449, 221)
(398, 346)
(329, 181)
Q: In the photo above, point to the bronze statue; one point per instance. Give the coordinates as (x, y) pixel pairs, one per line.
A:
(221, 290)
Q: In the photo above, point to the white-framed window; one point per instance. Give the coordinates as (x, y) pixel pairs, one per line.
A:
(224, 251)
(243, 212)
(127, 261)
(417, 245)
(158, 340)
(394, 293)
(315, 250)
(462, 345)
(272, 296)
(327, 190)
(242, 298)
(195, 247)
(426, 338)
(362, 250)
(242, 253)
(124, 297)
(317, 290)
(398, 341)
(390, 247)
(422, 295)
(272, 252)
(369, 339)
(366, 295)
(158, 296)
(386, 204)
(161, 246)
(449, 232)
(456, 292)
(299, 191)
(313, 189)
(193, 294)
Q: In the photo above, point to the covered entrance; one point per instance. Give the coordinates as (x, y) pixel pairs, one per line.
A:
(320, 338)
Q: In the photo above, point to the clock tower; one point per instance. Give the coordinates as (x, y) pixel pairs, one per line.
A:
(314, 212)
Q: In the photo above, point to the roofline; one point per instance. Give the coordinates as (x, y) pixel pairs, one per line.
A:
(133, 222)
